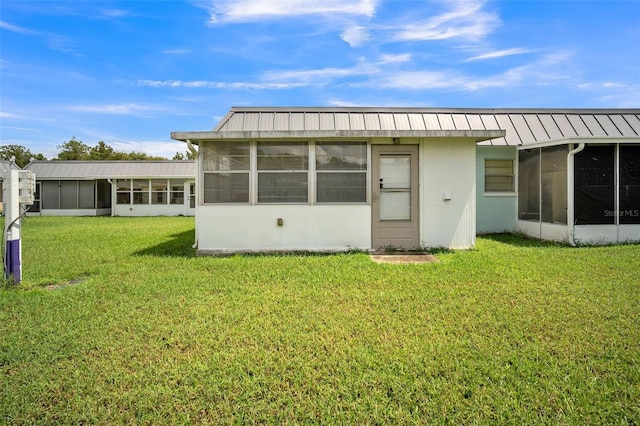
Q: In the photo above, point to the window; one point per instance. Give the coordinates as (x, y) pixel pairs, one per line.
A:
(594, 170)
(226, 172)
(554, 184)
(629, 184)
(123, 191)
(269, 172)
(283, 172)
(68, 194)
(86, 194)
(140, 190)
(50, 194)
(192, 195)
(177, 191)
(498, 176)
(158, 191)
(341, 172)
(103, 194)
(529, 184)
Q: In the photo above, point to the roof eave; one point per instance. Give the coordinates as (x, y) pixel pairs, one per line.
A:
(477, 135)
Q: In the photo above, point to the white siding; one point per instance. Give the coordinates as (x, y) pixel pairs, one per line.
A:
(305, 227)
(447, 165)
(494, 212)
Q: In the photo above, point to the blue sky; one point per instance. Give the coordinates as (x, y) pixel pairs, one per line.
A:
(130, 72)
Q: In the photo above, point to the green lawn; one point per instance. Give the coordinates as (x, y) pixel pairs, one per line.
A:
(117, 321)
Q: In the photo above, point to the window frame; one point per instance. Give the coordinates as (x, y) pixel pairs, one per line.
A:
(303, 172)
(499, 192)
(311, 172)
(317, 171)
(249, 172)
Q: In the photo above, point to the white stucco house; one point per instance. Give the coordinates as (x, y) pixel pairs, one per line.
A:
(367, 178)
(116, 188)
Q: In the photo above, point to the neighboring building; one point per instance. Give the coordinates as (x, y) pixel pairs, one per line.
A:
(117, 188)
(363, 178)
(5, 166)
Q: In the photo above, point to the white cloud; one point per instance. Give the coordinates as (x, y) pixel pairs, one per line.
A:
(4, 114)
(176, 51)
(395, 59)
(114, 13)
(466, 19)
(421, 80)
(499, 54)
(218, 84)
(54, 41)
(318, 76)
(122, 109)
(223, 11)
(16, 29)
(151, 147)
(355, 35)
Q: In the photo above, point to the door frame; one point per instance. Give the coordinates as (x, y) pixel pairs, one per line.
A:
(395, 233)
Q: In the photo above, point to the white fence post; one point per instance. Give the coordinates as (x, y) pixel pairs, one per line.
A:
(19, 191)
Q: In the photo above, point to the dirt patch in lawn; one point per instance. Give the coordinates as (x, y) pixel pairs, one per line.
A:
(404, 258)
(65, 284)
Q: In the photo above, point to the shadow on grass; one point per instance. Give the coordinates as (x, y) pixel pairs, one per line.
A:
(180, 245)
(521, 240)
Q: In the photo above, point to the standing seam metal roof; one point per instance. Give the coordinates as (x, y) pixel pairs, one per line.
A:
(111, 169)
(522, 126)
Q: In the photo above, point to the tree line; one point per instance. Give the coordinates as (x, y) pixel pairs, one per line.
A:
(75, 149)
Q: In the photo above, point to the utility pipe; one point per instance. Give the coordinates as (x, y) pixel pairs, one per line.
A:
(570, 192)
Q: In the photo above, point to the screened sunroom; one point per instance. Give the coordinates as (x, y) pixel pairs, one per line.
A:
(581, 191)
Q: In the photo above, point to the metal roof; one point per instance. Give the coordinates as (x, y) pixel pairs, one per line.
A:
(488, 126)
(7, 165)
(111, 169)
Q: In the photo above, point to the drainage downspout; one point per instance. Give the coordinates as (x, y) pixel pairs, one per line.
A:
(570, 192)
(192, 149)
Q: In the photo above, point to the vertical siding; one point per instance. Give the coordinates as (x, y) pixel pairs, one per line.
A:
(447, 166)
(494, 213)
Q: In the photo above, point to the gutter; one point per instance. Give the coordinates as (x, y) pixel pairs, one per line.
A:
(570, 192)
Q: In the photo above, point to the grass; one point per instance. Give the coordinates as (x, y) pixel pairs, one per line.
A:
(117, 321)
